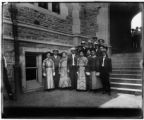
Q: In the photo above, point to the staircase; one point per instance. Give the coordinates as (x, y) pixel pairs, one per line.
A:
(126, 76)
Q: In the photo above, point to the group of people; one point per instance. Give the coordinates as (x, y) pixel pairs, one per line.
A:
(87, 68)
(136, 37)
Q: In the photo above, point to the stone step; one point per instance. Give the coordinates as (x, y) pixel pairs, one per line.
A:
(127, 54)
(126, 62)
(126, 75)
(127, 91)
(121, 59)
(126, 80)
(125, 71)
(124, 67)
(126, 85)
(126, 58)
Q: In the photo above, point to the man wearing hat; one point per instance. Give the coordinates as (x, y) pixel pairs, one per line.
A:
(56, 60)
(105, 69)
(72, 67)
(101, 41)
(82, 48)
(90, 45)
(97, 49)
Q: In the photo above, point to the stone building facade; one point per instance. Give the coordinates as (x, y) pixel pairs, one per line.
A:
(41, 28)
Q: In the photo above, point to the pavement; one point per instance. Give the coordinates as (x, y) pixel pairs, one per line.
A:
(73, 98)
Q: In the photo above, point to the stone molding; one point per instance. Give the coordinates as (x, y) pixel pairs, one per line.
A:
(38, 41)
(5, 20)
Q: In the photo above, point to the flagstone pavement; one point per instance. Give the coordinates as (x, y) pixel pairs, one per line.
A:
(73, 98)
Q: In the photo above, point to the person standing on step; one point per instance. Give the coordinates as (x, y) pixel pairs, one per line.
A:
(72, 67)
(82, 47)
(105, 69)
(56, 60)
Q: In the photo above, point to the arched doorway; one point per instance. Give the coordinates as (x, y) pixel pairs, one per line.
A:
(121, 15)
(136, 31)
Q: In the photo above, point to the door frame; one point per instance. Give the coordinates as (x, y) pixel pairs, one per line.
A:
(23, 50)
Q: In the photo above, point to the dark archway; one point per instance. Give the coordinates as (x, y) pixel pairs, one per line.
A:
(121, 15)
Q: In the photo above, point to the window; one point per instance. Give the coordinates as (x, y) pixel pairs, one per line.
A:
(56, 7)
(43, 5)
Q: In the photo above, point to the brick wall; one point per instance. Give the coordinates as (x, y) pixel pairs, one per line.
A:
(88, 17)
(8, 51)
(38, 35)
(32, 16)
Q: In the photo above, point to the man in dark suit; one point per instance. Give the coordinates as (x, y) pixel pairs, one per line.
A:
(90, 46)
(56, 60)
(82, 47)
(105, 70)
(97, 49)
(72, 67)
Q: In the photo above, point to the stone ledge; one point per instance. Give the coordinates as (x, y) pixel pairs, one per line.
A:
(38, 41)
(7, 21)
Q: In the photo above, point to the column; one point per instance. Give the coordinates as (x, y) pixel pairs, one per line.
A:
(103, 21)
(76, 23)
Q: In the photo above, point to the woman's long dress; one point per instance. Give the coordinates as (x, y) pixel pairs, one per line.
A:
(64, 78)
(94, 67)
(81, 82)
(48, 69)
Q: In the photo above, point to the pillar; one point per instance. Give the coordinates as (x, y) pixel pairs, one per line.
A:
(103, 21)
(76, 23)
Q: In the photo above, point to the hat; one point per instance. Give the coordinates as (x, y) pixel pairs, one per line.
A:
(104, 45)
(94, 37)
(96, 43)
(72, 48)
(83, 42)
(55, 50)
(103, 41)
(89, 41)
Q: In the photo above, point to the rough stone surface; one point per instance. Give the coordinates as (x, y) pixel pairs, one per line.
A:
(68, 98)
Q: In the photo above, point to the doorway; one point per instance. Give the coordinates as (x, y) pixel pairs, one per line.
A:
(33, 66)
(121, 15)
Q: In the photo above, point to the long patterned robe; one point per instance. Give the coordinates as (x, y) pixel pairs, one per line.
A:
(48, 69)
(64, 78)
(81, 82)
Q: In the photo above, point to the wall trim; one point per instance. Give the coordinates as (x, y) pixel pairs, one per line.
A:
(7, 21)
(37, 41)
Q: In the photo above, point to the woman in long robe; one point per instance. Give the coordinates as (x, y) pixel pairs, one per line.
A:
(81, 63)
(64, 78)
(93, 64)
(48, 72)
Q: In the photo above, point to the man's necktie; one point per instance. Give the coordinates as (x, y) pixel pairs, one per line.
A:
(73, 60)
(103, 62)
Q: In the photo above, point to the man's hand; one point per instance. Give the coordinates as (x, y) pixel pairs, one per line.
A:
(68, 71)
(88, 73)
(44, 74)
(97, 73)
